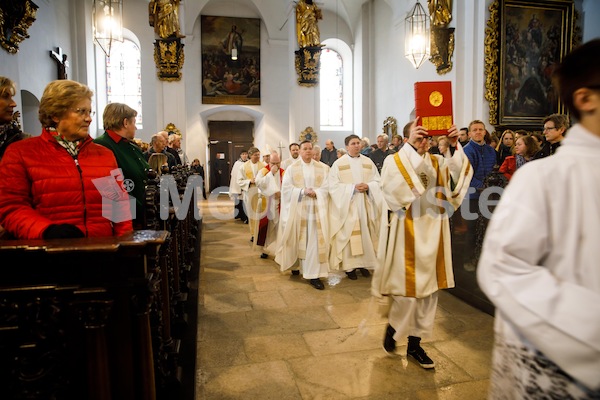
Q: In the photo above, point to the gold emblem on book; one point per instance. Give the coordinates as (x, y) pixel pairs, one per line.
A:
(436, 98)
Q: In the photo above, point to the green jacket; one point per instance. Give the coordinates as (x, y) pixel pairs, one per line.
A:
(133, 164)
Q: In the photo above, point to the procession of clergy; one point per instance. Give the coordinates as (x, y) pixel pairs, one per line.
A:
(315, 219)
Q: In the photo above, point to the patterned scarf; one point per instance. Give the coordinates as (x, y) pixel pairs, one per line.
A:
(520, 160)
(71, 147)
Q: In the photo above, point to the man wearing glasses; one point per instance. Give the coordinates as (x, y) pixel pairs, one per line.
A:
(555, 126)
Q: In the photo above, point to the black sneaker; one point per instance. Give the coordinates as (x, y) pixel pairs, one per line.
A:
(365, 272)
(264, 255)
(421, 357)
(295, 272)
(389, 344)
(317, 284)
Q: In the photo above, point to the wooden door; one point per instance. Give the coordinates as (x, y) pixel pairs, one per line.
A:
(227, 139)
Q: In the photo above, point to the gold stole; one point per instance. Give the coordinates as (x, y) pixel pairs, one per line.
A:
(258, 203)
(298, 182)
(356, 247)
(409, 233)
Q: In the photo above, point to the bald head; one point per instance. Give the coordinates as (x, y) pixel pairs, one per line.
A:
(275, 158)
(164, 134)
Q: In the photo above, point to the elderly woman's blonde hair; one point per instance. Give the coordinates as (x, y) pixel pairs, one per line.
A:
(114, 115)
(7, 87)
(58, 97)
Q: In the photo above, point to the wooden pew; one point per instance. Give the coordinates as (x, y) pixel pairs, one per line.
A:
(76, 317)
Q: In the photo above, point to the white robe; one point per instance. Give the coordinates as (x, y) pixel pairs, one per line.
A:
(540, 259)
(234, 186)
(303, 222)
(252, 202)
(354, 217)
(285, 164)
(269, 185)
(415, 255)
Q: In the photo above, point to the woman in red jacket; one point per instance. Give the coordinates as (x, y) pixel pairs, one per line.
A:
(525, 149)
(47, 188)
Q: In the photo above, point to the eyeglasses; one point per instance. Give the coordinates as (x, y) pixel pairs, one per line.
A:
(84, 112)
(548, 128)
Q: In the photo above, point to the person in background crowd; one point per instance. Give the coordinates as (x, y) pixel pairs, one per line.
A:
(10, 130)
(47, 189)
(329, 154)
(316, 153)
(175, 144)
(119, 131)
(555, 126)
(379, 155)
(505, 146)
(341, 152)
(158, 144)
(539, 264)
(463, 136)
(157, 162)
(525, 148)
(483, 159)
(366, 146)
(197, 168)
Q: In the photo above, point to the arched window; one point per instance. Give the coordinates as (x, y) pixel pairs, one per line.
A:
(335, 86)
(124, 76)
(332, 88)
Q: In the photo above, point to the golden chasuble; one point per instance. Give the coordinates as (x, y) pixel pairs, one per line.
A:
(298, 181)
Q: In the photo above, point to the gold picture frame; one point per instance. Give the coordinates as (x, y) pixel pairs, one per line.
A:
(524, 41)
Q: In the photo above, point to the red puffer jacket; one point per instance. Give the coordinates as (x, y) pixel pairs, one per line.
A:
(41, 184)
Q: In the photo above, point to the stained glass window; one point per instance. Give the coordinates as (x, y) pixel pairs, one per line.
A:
(124, 77)
(331, 82)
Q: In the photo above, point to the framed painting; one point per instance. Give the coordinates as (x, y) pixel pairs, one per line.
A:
(230, 50)
(525, 39)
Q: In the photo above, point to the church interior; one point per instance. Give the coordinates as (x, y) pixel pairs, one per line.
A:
(186, 308)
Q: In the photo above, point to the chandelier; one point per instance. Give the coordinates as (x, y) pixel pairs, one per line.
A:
(416, 46)
(107, 21)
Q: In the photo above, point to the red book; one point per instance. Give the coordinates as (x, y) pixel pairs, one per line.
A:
(433, 106)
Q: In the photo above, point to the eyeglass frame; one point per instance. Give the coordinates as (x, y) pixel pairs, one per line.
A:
(544, 129)
(83, 112)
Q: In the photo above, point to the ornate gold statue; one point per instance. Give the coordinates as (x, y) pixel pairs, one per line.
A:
(307, 29)
(440, 12)
(165, 18)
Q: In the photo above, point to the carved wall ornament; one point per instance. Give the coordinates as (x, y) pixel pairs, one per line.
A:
(390, 127)
(309, 134)
(16, 16)
(308, 62)
(172, 128)
(169, 57)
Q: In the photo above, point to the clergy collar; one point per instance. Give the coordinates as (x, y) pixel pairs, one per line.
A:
(356, 156)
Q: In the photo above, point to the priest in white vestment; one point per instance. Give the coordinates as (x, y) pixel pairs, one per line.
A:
(540, 259)
(235, 192)
(420, 190)
(303, 223)
(247, 181)
(268, 181)
(294, 154)
(355, 211)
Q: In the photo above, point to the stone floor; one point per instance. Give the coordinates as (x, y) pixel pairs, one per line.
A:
(264, 334)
